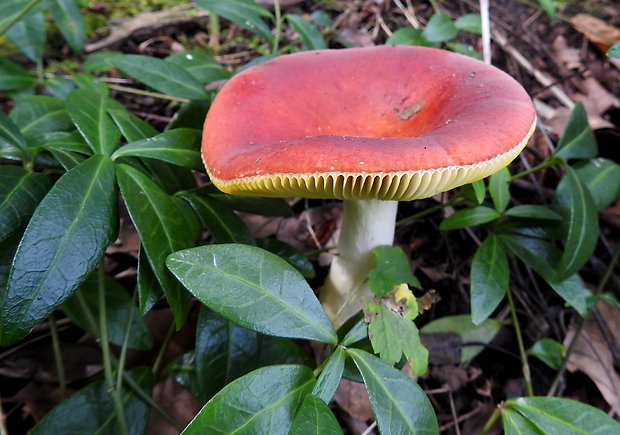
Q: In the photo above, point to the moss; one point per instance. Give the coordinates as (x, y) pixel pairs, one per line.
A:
(128, 8)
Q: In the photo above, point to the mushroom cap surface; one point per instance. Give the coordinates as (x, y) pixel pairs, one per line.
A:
(386, 122)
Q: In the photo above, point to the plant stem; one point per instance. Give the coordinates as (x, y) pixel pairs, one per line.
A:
(60, 367)
(491, 421)
(214, 31)
(162, 350)
(547, 163)
(120, 368)
(21, 14)
(582, 323)
(452, 201)
(147, 93)
(278, 28)
(107, 357)
(524, 364)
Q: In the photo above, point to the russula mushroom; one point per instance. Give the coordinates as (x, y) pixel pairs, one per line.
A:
(371, 126)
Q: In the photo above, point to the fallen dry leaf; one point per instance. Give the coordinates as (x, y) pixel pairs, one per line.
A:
(177, 402)
(592, 354)
(601, 34)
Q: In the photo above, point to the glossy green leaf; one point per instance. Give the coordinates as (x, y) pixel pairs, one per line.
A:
(549, 7)
(248, 204)
(391, 269)
(549, 351)
(91, 83)
(469, 23)
(147, 286)
(179, 147)
(162, 229)
(10, 9)
(358, 332)
(577, 141)
(10, 134)
(474, 192)
(223, 224)
(614, 51)
(244, 13)
(394, 336)
(498, 189)
(315, 418)
(165, 77)
(399, 404)
(40, 114)
(261, 402)
(557, 415)
(489, 278)
(329, 379)
(466, 49)
(132, 128)
(20, 193)
(67, 159)
(579, 210)
(405, 36)
(65, 239)
(8, 247)
(28, 35)
(69, 21)
(100, 61)
(289, 253)
(532, 211)
(90, 410)
(191, 115)
(88, 112)
(13, 77)
(310, 36)
(226, 351)
(83, 306)
(59, 87)
(468, 217)
(66, 141)
(602, 178)
(254, 288)
(469, 332)
(573, 291)
(440, 28)
(515, 424)
(200, 65)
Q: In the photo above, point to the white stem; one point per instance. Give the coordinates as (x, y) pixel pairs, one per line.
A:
(366, 225)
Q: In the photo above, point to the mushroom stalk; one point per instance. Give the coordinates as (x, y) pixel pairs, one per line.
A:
(366, 225)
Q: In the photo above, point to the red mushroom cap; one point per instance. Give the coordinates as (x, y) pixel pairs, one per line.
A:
(387, 122)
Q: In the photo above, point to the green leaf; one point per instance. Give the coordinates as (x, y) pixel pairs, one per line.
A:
(358, 332)
(28, 35)
(391, 269)
(63, 242)
(132, 128)
(405, 36)
(200, 65)
(244, 13)
(466, 49)
(577, 141)
(614, 51)
(83, 307)
(67, 159)
(440, 28)
(248, 204)
(13, 77)
(147, 286)
(548, 351)
(91, 83)
(468, 217)
(532, 211)
(330, 376)
(557, 415)
(399, 404)
(489, 278)
(40, 114)
(254, 288)
(469, 332)
(294, 257)
(315, 418)
(580, 212)
(602, 178)
(20, 193)
(179, 147)
(261, 402)
(311, 38)
(470, 23)
(165, 77)
(474, 192)
(574, 292)
(8, 247)
(394, 336)
(223, 224)
(162, 227)
(59, 87)
(66, 141)
(101, 61)
(91, 411)
(88, 112)
(10, 134)
(549, 7)
(226, 351)
(498, 189)
(515, 424)
(69, 21)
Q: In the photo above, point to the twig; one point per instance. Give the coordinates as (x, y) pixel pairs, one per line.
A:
(541, 77)
(486, 31)
(523, 355)
(409, 15)
(147, 93)
(60, 367)
(370, 428)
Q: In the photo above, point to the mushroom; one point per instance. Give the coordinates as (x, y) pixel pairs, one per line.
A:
(371, 126)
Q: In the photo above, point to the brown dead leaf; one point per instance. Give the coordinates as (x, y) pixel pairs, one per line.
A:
(592, 354)
(352, 397)
(601, 34)
(177, 402)
(565, 55)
